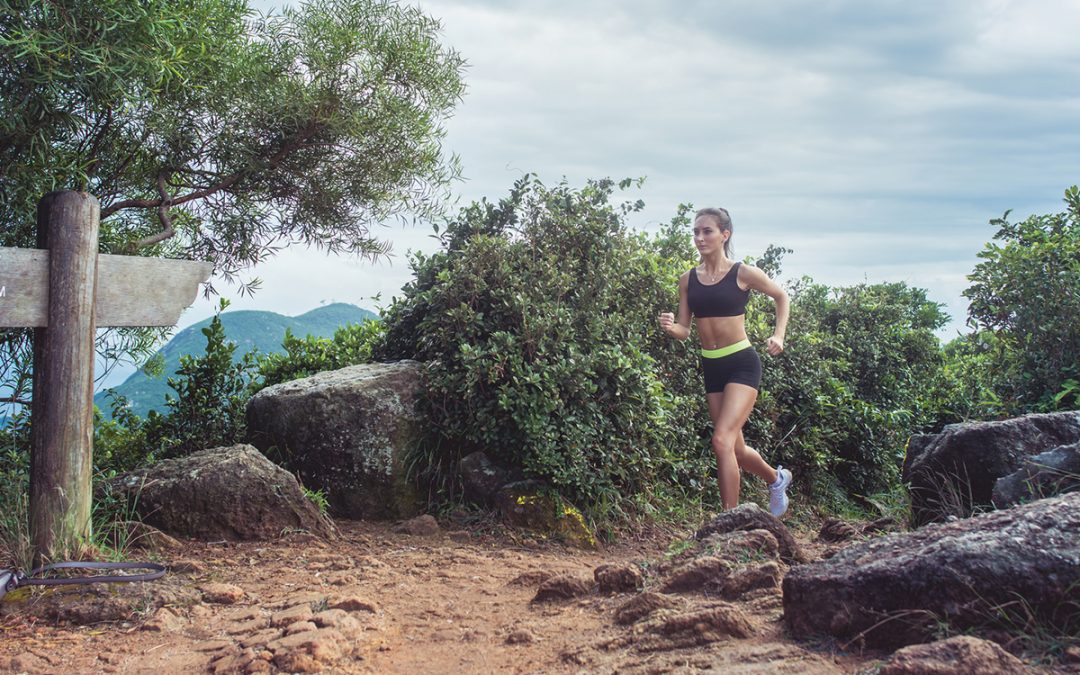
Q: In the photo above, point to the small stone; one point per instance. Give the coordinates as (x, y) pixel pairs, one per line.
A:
(297, 662)
(618, 578)
(519, 637)
(323, 644)
(163, 621)
(353, 603)
(247, 627)
(291, 615)
(336, 618)
(459, 536)
(187, 567)
(562, 587)
(214, 645)
(299, 627)
(260, 638)
(28, 662)
(834, 529)
(420, 526)
(697, 574)
(222, 594)
(531, 578)
(641, 606)
(955, 656)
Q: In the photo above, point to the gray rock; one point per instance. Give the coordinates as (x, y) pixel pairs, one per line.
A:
(346, 432)
(891, 591)
(480, 478)
(954, 472)
(230, 493)
(751, 517)
(1050, 473)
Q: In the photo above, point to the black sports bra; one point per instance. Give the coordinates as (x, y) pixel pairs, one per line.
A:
(723, 298)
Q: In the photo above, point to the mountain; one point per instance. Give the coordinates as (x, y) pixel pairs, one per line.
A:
(248, 329)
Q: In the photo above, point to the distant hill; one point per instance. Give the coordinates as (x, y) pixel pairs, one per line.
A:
(248, 329)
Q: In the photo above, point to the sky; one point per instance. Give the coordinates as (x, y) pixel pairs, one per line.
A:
(875, 140)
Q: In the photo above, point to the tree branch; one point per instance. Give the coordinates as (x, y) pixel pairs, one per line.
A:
(15, 400)
(163, 214)
(272, 162)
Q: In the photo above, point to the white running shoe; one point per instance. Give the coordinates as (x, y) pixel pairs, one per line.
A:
(778, 499)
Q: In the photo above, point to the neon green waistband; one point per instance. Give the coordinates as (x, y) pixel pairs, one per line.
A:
(725, 351)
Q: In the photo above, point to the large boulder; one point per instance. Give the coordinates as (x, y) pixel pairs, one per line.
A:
(892, 591)
(1046, 474)
(230, 493)
(347, 433)
(953, 472)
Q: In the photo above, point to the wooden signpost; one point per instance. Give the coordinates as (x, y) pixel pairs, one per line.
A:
(65, 293)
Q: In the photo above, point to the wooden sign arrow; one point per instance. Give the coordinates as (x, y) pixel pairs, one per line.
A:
(131, 291)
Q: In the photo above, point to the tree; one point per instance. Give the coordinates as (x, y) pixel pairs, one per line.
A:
(1026, 291)
(208, 131)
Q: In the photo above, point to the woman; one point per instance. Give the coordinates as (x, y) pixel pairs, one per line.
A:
(715, 292)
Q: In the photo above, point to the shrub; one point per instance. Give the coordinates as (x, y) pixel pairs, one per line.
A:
(537, 323)
(351, 344)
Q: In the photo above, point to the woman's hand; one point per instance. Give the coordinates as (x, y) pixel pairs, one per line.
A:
(774, 345)
(667, 320)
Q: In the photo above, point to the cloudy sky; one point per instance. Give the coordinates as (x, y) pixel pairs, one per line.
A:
(875, 139)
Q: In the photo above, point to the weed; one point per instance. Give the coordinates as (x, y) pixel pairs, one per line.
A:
(318, 498)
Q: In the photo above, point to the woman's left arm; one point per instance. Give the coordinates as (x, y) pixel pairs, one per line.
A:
(759, 281)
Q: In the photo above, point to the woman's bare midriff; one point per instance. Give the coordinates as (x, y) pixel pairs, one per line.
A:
(720, 331)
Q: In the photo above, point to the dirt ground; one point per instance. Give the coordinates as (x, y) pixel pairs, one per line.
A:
(379, 601)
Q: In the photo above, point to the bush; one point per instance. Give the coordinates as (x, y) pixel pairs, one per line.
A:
(351, 345)
(537, 323)
(1026, 293)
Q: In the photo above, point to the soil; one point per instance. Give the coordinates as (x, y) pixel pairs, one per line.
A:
(377, 600)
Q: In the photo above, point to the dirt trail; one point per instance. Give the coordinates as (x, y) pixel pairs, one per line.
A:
(374, 602)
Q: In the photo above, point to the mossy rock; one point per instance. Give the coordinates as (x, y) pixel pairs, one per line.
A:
(531, 506)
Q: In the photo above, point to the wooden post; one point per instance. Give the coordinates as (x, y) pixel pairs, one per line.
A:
(62, 430)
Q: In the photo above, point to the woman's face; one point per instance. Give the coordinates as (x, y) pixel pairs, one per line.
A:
(707, 235)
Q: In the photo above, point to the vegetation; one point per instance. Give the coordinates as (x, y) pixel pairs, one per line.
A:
(208, 131)
(536, 321)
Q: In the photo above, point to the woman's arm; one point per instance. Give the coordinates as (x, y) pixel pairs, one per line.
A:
(678, 326)
(759, 281)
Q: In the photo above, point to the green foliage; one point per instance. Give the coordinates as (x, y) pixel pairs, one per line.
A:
(839, 404)
(211, 398)
(1026, 292)
(351, 344)
(309, 126)
(537, 322)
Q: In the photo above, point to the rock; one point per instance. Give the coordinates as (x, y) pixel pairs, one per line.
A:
(644, 604)
(953, 472)
(346, 432)
(950, 572)
(562, 587)
(697, 575)
(1046, 474)
(352, 603)
(420, 526)
(164, 620)
(531, 578)
(834, 529)
(221, 594)
(529, 505)
(741, 546)
(480, 478)
(962, 655)
(230, 493)
(618, 578)
(751, 517)
(743, 581)
(291, 615)
(29, 662)
(699, 627)
(520, 637)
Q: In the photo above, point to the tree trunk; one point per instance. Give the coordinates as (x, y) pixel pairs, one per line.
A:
(61, 455)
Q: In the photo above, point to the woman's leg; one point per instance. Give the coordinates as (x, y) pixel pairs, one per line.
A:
(751, 461)
(729, 411)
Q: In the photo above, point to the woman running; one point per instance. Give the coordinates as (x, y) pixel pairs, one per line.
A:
(715, 293)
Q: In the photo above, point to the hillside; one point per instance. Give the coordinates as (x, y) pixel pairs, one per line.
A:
(249, 329)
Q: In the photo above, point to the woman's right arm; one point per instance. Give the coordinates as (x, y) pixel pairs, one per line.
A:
(678, 326)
